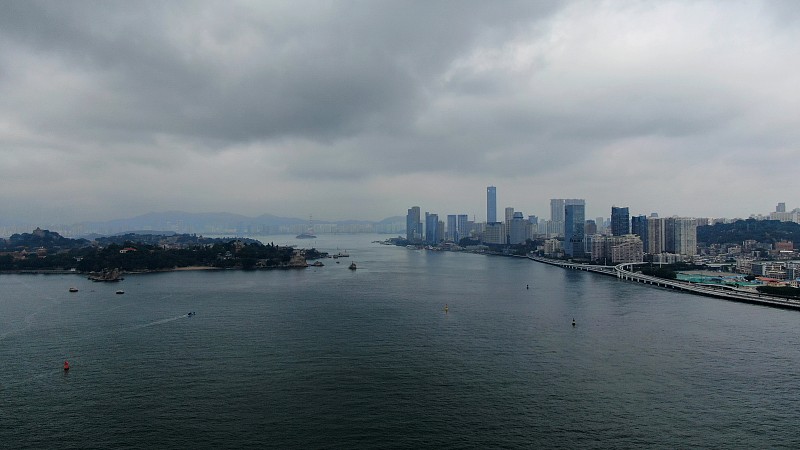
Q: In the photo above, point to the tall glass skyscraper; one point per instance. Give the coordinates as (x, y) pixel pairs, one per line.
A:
(620, 221)
(639, 228)
(431, 228)
(574, 221)
(413, 225)
(491, 204)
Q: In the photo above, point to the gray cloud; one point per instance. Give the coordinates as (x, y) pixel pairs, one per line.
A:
(182, 105)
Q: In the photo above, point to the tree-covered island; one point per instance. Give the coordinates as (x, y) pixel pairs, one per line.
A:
(45, 251)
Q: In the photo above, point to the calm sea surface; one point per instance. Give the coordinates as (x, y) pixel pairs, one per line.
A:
(332, 358)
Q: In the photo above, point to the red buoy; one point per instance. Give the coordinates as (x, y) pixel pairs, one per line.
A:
(66, 366)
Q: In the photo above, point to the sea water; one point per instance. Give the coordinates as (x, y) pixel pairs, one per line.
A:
(327, 357)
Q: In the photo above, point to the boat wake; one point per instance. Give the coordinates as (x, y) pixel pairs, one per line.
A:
(158, 322)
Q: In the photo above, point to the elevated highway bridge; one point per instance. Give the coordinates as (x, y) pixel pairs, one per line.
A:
(626, 272)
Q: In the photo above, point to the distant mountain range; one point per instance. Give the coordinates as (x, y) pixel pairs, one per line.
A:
(217, 223)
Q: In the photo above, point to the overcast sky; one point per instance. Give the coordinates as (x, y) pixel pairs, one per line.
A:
(362, 109)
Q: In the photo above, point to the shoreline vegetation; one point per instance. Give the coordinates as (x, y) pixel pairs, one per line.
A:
(105, 259)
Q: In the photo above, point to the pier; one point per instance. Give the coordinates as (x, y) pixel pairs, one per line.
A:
(625, 271)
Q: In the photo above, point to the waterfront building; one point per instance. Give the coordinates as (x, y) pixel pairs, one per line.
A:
(574, 221)
(491, 204)
(769, 269)
(667, 258)
(509, 216)
(620, 221)
(431, 228)
(627, 249)
(655, 235)
(615, 249)
(639, 228)
(462, 227)
(533, 227)
(494, 233)
(519, 229)
(413, 225)
(553, 247)
(680, 236)
(452, 228)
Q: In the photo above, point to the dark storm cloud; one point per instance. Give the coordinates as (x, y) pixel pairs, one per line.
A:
(186, 105)
(318, 70)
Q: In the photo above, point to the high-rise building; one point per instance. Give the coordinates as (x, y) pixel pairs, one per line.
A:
(684, 239)
(452, 228)
(557, 213)
(508, 217)
(533, 229)
(574, 221)
(462, 227)
(655, 235)
(620, 221)
(457, 227)
(556, 209)
(639, 228)
(431, 228)
(590, 228)
(781, 207)
(518, 229)
(676, 235)
(413, 225)
(491, 204)
(615, 249)
(494, 233)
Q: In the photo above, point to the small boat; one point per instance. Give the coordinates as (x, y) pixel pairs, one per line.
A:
(191, 314)
(317, 264)
(73, 289)
(66, 366)
(352, 266)
(120, 291)
(573, 322)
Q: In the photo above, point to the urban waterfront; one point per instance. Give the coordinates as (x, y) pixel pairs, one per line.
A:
(332, 358)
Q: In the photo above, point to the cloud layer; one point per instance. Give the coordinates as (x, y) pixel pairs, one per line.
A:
(362, 109)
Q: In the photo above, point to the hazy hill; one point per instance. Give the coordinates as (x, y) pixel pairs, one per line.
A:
(770, 231)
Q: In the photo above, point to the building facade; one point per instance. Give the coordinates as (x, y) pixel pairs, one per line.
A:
(491, 204)
(574, 221)
(431, 228)
(620, 221)
(639, 228)
(518, 233)
(413, 225)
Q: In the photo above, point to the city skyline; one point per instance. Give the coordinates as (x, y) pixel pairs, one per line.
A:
(343, 112)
